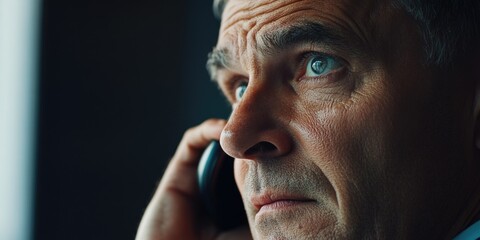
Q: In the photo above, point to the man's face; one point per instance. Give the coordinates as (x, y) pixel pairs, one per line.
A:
(334, 129)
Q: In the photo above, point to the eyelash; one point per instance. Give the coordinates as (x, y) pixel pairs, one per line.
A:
(231, 87)
(304, 58)
(302, 61)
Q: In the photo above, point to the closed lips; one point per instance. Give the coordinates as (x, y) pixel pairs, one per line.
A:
(276, 201)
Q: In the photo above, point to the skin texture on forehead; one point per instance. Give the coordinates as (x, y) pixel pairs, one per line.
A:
(369, 26)
(363, 144)
(253, 19)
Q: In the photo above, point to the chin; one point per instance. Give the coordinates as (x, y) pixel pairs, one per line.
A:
(308, 221)
(299, 231)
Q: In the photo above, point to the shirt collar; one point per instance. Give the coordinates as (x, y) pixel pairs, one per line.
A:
(471, 233)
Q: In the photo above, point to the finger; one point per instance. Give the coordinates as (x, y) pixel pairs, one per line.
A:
(181, 173)
(174, 209)
(196, 139)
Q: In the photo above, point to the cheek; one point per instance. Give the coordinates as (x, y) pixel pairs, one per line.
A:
(344, 143)
(327, 137)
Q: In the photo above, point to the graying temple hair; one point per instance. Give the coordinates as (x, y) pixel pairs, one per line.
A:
(448, 27)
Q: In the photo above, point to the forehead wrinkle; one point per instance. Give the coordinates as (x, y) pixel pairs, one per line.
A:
(246, 21)
(364, 22)
(243, 51)
(303, 32)
(243, 28)
(243, 14)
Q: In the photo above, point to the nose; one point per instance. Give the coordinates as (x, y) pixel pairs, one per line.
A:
(257, 127)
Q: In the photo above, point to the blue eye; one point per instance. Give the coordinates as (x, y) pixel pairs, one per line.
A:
(321, 65)
(239, 91)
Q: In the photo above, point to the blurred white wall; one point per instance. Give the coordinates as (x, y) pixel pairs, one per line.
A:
(19, 23)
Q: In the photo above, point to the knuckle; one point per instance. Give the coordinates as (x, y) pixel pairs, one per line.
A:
(189, 132)
(213, 122)
(196, 131)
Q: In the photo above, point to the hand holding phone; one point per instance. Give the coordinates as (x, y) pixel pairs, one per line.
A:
(173, 212)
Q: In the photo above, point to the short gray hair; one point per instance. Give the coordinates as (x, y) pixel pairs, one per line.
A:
(448, 27)
(218, 6)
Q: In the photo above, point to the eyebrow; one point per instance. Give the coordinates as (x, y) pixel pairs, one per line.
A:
(303, 33)
(308, 32)
(217, 59)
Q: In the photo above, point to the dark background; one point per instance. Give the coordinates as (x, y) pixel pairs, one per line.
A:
(120, 82)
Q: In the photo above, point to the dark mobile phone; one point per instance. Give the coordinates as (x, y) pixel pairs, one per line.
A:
(218, 190)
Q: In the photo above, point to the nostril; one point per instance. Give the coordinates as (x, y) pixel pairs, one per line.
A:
(261, 148)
